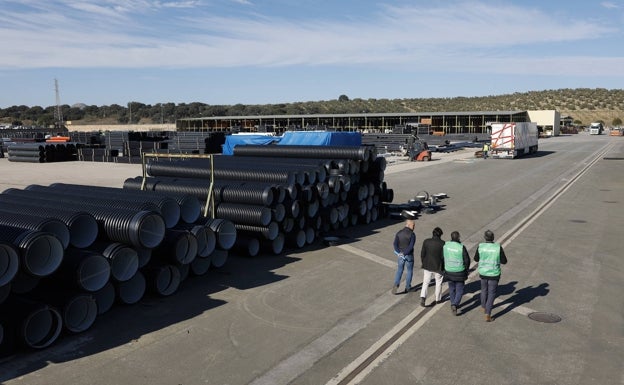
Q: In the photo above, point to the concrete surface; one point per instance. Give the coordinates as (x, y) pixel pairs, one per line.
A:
(326, 315)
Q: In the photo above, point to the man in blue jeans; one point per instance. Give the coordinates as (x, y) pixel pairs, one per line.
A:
(489, 255)
(404, 241)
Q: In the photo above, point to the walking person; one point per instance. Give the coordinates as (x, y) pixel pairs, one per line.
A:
(486, 148)
(432, 258)
(456, 264)
(490, 256)
(404, 241)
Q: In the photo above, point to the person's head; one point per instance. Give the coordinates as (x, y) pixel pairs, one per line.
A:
(410, 223)
(437, 232)
(455, 236)
(488, 236)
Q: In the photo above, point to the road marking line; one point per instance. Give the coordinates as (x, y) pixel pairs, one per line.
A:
(369, 256)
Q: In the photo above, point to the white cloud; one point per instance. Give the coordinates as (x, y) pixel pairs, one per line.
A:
(121, 34)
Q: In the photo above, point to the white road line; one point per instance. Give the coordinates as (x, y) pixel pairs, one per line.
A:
(369, 256)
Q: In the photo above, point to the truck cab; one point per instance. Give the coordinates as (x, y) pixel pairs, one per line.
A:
(596, 128)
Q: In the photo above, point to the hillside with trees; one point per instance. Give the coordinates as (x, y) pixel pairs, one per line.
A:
(583, 104)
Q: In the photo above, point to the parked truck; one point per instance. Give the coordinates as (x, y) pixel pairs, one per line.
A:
(596, 128)
(510, 140)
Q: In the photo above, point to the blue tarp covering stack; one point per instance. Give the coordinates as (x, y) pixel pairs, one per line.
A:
(302, 138)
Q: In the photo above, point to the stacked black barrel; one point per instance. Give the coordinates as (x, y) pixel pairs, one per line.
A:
(69, 252)
(280, 195)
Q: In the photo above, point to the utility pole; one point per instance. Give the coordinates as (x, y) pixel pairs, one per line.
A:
(130, 108)
(58, 113)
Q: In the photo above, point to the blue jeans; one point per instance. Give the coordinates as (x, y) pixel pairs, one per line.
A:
(406, 262)
(456, 290)
(488, 294)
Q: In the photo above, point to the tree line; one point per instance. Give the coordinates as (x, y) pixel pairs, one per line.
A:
(566, 101)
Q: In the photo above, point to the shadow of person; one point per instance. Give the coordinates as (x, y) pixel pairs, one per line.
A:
(475, 300)
(521, 297)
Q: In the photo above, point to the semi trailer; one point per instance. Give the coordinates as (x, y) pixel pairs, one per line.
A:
(511, 140)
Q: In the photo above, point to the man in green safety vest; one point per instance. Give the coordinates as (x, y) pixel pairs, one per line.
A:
(490, 256)
(456, 264)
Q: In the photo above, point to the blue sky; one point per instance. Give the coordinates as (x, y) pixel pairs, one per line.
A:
(282, 51)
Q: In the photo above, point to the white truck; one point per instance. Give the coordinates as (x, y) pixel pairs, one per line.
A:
(510, 140)
(595, 128)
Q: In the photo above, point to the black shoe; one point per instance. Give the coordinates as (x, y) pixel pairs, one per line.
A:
(422, 302)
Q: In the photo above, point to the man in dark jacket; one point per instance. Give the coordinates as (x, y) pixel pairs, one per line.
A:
(432, 260)
(404, 249)
(456, 264)
(490, 256)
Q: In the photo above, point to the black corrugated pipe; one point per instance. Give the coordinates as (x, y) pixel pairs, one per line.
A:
(202, 170)
(40, 253)
(24, 282)
(189, 206)
(78, 309)
(275, 246)
(178, 246)
(206, 238)
(223, 191)
(83, 228)
(268, 232)
(200, 266)
(163, 279)
(27, 159)
(83, 269)
(169, 207)
(35, 324)
(144, 229)
(31, 222)
(105, 298)
(9, 263)
(297, 151)
(296, 238)
(224, 231)
(5, 290)
(131, 291)
(247, 245)
(244, 214)
(219, 257)
(122, 258)
(46, 196)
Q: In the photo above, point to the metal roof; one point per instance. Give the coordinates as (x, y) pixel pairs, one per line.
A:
(356, 115)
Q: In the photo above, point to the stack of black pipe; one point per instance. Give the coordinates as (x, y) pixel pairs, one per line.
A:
(281, 195)
(69, 252)
(42, 152)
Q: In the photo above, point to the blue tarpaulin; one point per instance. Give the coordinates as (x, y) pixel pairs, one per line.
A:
(321, 138)
(294, 138)
(233, 140)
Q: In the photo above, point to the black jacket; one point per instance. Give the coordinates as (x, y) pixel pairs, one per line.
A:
(431, 254)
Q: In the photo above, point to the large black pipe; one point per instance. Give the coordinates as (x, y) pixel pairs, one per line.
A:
(299, 151)
(167, 206)
(40, 253)
(83, 269)
(35, 324)
(31, 222)
(145, 229)
(83, 228)
(9, 263)
(202, 170)
(244, 214)
(122, 258)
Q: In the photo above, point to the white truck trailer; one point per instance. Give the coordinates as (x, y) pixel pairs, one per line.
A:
(510, 140)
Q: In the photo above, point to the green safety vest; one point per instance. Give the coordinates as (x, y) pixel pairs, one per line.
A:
(489, 259)
(453, 257)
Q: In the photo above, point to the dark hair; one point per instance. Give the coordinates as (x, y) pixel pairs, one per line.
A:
(437, 232)
(455, 236)
(488, 235)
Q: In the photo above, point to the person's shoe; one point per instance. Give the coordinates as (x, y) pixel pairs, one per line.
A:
(394, 289)
(482, 309)
(454, 309)
(488, 318)
(422, 302)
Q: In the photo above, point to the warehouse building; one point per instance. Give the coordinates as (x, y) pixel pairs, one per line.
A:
(464, 122)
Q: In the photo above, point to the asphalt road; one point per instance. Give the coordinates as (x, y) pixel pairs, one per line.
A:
(326, 314)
